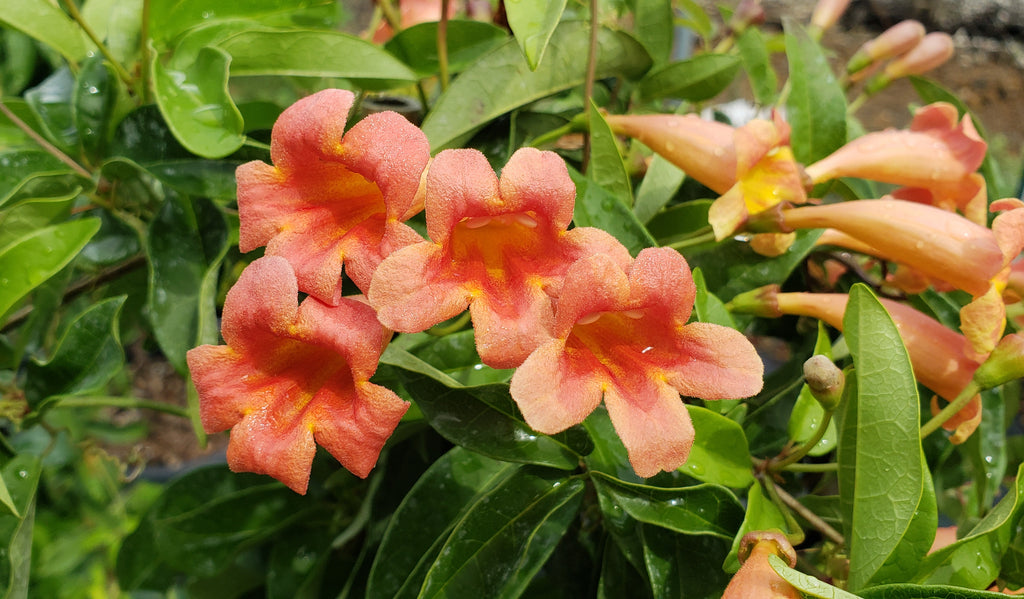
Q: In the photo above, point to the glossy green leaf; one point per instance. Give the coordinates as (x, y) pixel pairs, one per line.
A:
(503, 539)
(21, 476)
(533, 22)
(29, 216)
(609, 455)
(87, 356)
(455, 355)
(310, 53)
(711, 309)
(416, 46)
(661, 181)
(913, 591)
(502, 80)
(606, 167)
(51, 101)
(48, 23)
(118, 23)
(297, 563)
(187, 241)
(698, 510)
(454, 485)
(619, 578)
(214, 179)
(37, 256)
(36, 175)
(986, 448)
(683, 565)
(680, 222)
(654, 27)
(808, 585)
(18, 63)
(816, 107)
(761, 514)
(695, 79)
(178, 16)
(93, 102)
(757, 64)
(892, 517)
(12, 136)
(482, 418)
(807, 413)
(597, 207)
(719, 454)
(197, 106)
(975, 560)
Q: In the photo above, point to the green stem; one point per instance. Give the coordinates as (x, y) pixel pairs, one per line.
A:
(442, 46)
(830, 467)
(122, 74)
(49, 147)
(947, 412)
(794, 532)
(99, 401)
(553, 135)
(144, 74)
(588, 83)
(812, 518)
(392, 16)
(457, 325)
(804, 449)
(857, 103)
(253, 143)
(702, 236)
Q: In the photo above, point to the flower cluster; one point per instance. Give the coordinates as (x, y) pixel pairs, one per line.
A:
(570, 309)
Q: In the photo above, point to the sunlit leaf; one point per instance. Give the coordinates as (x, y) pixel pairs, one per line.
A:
(533, 22)
(46, 22)
(719, 454)
(654, 27)
(181, 15)
(809, 585)
(695, 79)
(816, 107)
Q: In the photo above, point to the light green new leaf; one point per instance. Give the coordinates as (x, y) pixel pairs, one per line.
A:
(21, 476)
(890, 515)
(761, 514)
(311, 53)
(197, 106)
(816, 108)
(711, 309)
(46, 22)
(177, 16)
(502, 80)
(808, 585)
(533, 22)
(606, 167)
(807, 413)
(506, 536)
(34, 175)
(39, 255)
(720, 454)
(661, 181)
(421, 525)
(694, 79)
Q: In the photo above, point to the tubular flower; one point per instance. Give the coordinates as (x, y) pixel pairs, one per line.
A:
(896, 40)
(756, 577)
(940, 357)
(499, 247)
(292, 376)
(331, 199)
(623, 334)
(935, 160)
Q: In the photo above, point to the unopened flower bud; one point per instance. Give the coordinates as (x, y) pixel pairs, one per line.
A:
(825, 380)
(759, 302)
(756, 577)
(933, 50)
(749, 12)
(827, 13)
(896, 40)
(1004, 364)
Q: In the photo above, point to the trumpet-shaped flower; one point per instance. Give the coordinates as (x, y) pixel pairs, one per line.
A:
(939, 356)
(332, 198)
(499, 247)
(623, 334)
(935, 159)
(292, 376)
(896, 40)
(756, 577)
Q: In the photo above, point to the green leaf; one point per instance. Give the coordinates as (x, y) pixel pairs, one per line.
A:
(761, 514)
(719, 454)
(19, 61)
(21, 476)
(698, 510)
(46, 22)
(187, 241)
(87, 357)
(892, 518)
(506, 536)
(297, 564)
(975, 560)
(502, 81)
(51, 101)
(214, 179)
(653, 26)
(661, 181)
(310, 53)
(93, 102)
(683, 565)
(37, 256)
(816, 107)
(986, 447)
(197, 106)
(181, 15)
(808, 585)
(757, 63)
(609, 455)
(597, 207)
(680, 221)
(710, 309)
(606, 167)
(619, 578)
(455, 355)
(482, 418)
(533, 22)
(454, 485)
(695, 79)
(913, 591)
(467, 41)
(807, 413)
(27, 175)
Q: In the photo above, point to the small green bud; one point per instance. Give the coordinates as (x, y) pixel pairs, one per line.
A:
(825, 380)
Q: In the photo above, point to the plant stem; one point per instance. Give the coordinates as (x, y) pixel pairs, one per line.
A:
(702, 236)
(588, 83)
(829, 467)
(812, 518)
(947, 412)
(442, 46)
(795, 532)
(49, 147)
(122, 74)
(804, 449)
(392, 16)
(144, 67)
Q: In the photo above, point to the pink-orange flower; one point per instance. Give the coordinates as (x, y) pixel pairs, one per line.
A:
(499, 247)
(292, 376)
(935, 160)
(331, 198)
(756, 578)
(623, 334)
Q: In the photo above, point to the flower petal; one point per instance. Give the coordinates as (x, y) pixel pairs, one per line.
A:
(504, 337)
(721, 364)
(653, 424)
(412, 291)
(555, 389)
